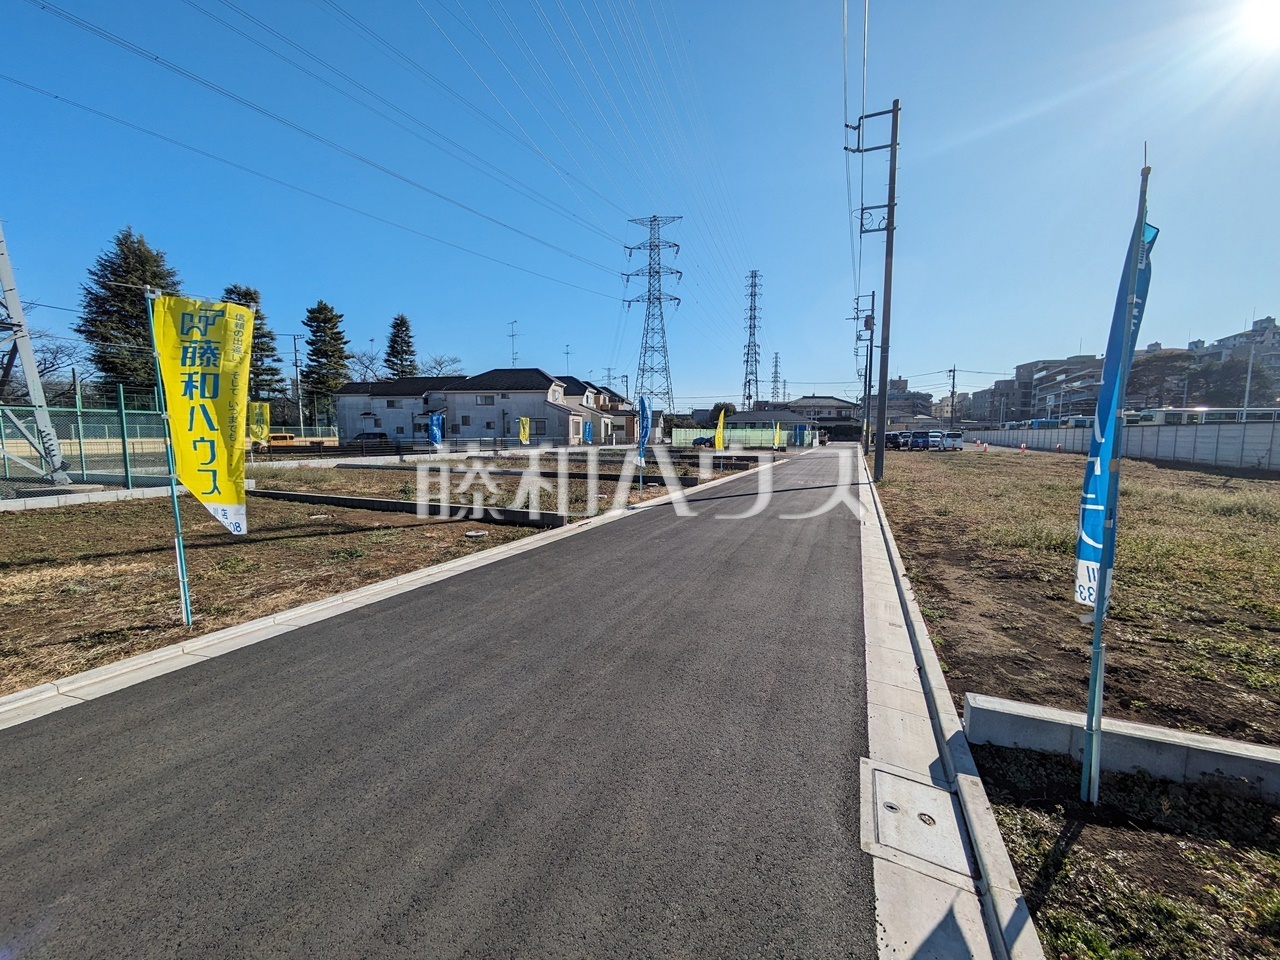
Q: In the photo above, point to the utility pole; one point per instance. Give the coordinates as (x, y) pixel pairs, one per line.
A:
(566, 360)
(15, 336)
(775, 395)
(626, 387)
(751, 356)
(653, 377)
(886, 224)
(512, 335)
(297, 375)
(953, 397)
(866, 335)
(1248, 382)
(785, 395)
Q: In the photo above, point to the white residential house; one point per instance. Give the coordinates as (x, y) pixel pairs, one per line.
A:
(397, 408)
(587, 398)
(489, 406)
(619, 410)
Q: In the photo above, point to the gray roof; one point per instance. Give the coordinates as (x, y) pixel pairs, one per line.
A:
(767, 416)
(410, 386)
(573, 387)
(358, 387)
(504, 379)
(608, 391)
(820, 401)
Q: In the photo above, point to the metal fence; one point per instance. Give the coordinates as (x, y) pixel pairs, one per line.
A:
(1241, 445)
(115, 448)
(745, 436)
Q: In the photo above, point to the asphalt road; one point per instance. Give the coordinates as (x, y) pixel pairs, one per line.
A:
(640, 741)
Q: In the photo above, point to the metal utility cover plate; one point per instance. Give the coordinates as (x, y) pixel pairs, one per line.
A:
(910, 821)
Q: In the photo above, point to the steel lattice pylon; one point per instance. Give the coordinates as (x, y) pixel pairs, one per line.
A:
(653, 376)
(751, 355)
(15, 345)
(776, 394)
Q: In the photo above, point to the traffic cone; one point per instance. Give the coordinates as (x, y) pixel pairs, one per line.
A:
(1024, 449)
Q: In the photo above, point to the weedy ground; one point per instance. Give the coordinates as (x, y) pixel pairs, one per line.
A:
(1158, 870)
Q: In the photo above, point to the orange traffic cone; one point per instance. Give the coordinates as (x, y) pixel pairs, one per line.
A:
(1024, 449)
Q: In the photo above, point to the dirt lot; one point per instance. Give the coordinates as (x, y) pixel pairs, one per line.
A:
(1157, 870)
(83, 586)
(1193, 638)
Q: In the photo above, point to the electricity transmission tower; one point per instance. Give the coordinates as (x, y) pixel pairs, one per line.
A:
(653, 376)
(751, 356)
(15, 345)
(776, 393)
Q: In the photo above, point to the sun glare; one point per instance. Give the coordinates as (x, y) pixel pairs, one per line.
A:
(1258, 24)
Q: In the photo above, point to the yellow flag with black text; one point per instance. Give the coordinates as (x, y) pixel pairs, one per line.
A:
(203, 351)
(720, 431)
(524, 429)
(259, 422)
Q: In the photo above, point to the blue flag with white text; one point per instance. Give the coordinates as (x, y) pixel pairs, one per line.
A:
(644, 419)
(1108, 424)
(435, 428)
(587, 432)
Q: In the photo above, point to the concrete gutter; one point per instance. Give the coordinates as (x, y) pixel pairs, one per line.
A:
(46, 698)
(948, 890)
(1127, 747)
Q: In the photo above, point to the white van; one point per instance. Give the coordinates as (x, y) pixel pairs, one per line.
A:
(953, 440)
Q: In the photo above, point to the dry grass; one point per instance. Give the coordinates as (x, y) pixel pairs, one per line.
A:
(1194, 629)
(81, 587)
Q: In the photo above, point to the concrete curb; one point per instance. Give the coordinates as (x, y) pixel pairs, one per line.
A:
(1127, 746)
(1010, 931)
(24, 705)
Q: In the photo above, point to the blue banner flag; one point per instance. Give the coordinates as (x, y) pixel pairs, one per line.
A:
(435, 428)
(644, 418)
(586, 432)
(1097, 502)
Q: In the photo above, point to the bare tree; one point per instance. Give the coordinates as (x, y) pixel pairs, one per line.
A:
(55, 358)
(367, 365)
(441, 365)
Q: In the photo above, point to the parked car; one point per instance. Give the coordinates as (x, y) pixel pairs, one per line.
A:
(369, 438)
(704, 441)
(935, 439)
(919, 440)
(893, 441)
(953, 440)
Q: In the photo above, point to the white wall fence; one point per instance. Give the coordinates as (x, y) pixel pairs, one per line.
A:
(1248, 445)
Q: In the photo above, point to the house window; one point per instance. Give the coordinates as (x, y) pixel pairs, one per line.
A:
(399, 429)
(453, 428)
(555, 394)
(466, 420)
(488, 424)
(505, 396)
(485, 400)
(538, 428)
(393, 404)
(377, 422)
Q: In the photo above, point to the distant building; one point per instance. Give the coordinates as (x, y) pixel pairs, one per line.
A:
(1263, 336)
(489, 406)
(397, 408)
(907, 406)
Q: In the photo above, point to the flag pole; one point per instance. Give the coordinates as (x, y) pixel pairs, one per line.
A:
(1091, 766)
(163, 403)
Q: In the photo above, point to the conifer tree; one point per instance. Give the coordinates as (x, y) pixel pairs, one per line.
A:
(326, 369)
(113, 309)
(266, 379)
(402, 358)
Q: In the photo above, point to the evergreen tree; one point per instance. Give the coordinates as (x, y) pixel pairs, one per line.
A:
(266, 380)
(113, 309)
(326, 369)
(402, 358)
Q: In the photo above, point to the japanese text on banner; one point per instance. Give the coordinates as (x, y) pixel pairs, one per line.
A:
(203, 351)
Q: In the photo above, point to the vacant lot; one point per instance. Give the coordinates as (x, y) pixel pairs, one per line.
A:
(1157, 870)
(1193, 637)
(83, 586)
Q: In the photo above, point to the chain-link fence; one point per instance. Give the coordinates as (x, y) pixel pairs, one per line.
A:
(120, 448)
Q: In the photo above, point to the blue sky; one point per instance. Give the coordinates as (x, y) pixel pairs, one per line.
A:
(1022, 139)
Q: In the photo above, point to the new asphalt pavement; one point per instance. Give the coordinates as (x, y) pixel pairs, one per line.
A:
(639, 741)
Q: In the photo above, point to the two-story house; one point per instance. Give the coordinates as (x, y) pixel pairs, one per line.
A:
(619, 410)
(586, 398)
(489, 406)
(397, 408)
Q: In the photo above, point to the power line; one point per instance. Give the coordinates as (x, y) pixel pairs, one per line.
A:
(297, 127)
(292, 186)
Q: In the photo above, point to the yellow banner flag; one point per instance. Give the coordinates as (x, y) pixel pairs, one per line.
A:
(720, 431)
(777, 434)
(524, 429)
(259, 422)
(204, 368)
